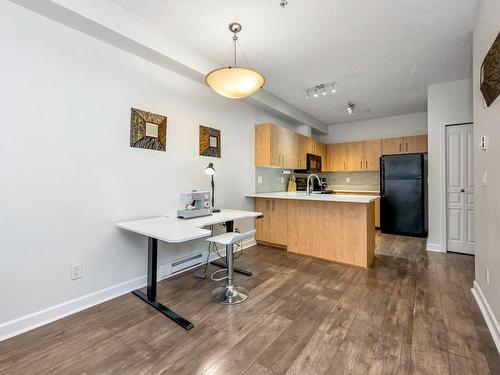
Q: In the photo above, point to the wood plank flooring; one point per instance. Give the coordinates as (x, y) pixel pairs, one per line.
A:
(412, 313)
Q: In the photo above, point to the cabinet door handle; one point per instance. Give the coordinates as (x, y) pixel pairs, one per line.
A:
(361, 164)
(267, 204)
(400, 147)
(366, 165)
(344, 166)
(273, 204)
(406, 146)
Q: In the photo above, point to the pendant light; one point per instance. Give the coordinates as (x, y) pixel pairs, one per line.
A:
(235, 82)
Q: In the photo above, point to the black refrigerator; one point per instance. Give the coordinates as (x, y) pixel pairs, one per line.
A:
(403, 194)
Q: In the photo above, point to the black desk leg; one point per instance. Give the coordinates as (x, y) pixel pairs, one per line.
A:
(150, 297)
(220, 263)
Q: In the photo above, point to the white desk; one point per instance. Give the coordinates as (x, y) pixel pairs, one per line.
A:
(173, 230)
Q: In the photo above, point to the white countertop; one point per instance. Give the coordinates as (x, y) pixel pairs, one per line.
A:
(369, 192)
(301, 195)
(171, 229)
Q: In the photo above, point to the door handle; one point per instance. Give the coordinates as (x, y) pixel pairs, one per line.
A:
(366, 165)
(406, 146)
(400, 147)
(361, 164)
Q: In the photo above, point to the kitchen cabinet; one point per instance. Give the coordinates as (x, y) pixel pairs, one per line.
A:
(337, 157)
(372, 151)
(377, 205)
(268, 146)
(415, 144)
(404, 145)
(280, 147)
(272, 228)
(355, 156)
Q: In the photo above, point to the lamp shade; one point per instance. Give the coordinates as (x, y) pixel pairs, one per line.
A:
(210, 170)
(235, 83)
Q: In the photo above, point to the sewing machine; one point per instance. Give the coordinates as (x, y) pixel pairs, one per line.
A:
(197, 203)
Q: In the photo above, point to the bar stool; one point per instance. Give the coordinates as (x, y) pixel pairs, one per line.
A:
(229, 294)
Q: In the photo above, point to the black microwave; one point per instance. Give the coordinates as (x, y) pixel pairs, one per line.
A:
(313, 164)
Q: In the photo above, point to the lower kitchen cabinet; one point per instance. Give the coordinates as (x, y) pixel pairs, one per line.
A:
(272, 228)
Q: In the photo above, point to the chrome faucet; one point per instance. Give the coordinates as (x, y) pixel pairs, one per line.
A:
(308, 192)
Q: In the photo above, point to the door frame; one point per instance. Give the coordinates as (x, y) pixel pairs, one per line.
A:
(444, 186)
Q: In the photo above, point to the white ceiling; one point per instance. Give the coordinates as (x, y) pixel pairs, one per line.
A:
(382, 53)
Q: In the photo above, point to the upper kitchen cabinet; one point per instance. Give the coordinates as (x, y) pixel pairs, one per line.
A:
(268, 146)
(404, 145)
(415, 144)
(355, 156)
(337, 157)
(372, 151)
(392, 146)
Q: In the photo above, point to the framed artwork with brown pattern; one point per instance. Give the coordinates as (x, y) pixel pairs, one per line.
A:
(148, 130)
(490, 73)
(209, 142)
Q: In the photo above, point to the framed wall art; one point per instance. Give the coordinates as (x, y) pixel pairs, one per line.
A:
(148, 130)
(490, 73)
(210, 142)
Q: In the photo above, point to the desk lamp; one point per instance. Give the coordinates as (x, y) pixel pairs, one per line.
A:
(210, 170)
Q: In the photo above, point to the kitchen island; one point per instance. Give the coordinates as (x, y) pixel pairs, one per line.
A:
(335, 227)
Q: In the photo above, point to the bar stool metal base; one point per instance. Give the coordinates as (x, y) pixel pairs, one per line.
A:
(229, 295)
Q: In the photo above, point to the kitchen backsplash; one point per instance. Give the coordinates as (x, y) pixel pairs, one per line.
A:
(271, 180)
(353, 180)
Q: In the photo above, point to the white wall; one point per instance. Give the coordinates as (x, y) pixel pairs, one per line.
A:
(447, 104)
(487, 122)
(68, 173)
(387, 127)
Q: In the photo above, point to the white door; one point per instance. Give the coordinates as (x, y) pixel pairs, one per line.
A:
(460, 189)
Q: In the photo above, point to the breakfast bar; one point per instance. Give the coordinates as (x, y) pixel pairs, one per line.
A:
(337, 228)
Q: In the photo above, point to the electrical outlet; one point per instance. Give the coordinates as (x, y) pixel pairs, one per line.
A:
(487, 275)
(282, 180)
(259, 179)
(348, 180)
(76, 271)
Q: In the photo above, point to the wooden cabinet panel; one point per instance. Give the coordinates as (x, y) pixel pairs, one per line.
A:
(377, 213)
(337, 157)
(415, 144)
(272, 228)
(263, 225)
(392, 146)
(372, 151)
(279, 230)
(355, 156)
(302, 150)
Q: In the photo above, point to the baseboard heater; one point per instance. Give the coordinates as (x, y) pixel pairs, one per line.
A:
(183, 264)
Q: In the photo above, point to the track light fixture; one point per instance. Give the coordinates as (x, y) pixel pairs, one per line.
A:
(350, 108)
(323, 88)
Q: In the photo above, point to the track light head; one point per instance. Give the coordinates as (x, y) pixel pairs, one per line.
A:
(350, 108)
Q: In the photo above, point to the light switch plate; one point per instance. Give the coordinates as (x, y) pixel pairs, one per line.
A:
(484, 178)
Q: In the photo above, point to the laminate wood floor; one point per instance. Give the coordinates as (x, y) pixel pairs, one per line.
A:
(412, 313)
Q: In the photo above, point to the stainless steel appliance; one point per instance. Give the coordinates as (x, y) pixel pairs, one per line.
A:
(197, 203)
(403, 191)
(313, 164)
(302, 184)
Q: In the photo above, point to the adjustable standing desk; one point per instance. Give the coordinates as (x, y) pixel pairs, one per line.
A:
(173, 230)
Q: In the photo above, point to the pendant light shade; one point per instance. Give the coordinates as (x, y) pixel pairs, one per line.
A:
(235, 82)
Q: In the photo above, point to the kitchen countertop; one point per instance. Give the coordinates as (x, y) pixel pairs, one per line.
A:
(301, 195)
(374, 192)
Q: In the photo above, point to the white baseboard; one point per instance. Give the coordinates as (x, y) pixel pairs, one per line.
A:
(435, 247)
(40, 318)
(37, 319)
(488, 314)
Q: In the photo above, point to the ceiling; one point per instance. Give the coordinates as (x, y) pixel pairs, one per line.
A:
(382, 53)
